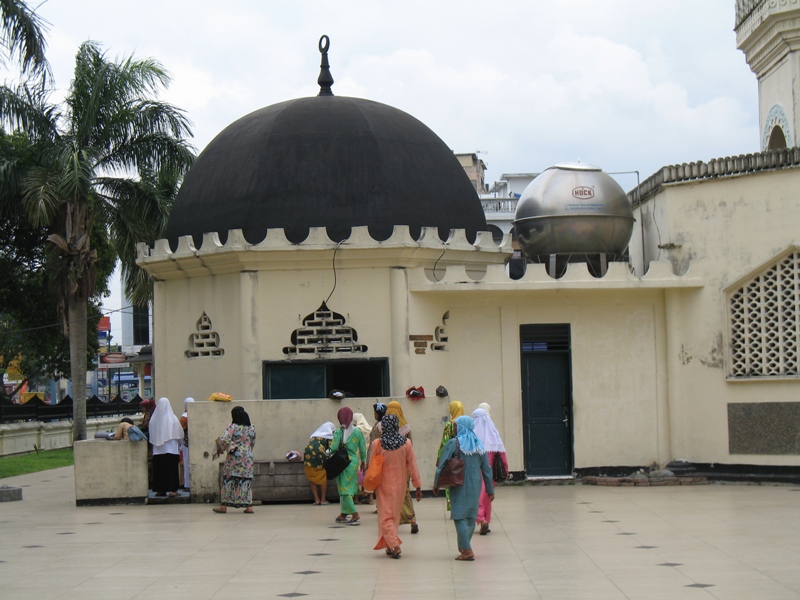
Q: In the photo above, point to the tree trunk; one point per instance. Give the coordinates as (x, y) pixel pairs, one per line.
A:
(77, 355)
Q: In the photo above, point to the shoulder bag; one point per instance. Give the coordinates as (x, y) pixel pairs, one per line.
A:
(499, 471)
(372, 479)
(452, 475)
(336, 462)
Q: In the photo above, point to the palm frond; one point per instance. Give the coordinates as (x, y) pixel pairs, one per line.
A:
(41, 196)
(23, 34)
(27, 108)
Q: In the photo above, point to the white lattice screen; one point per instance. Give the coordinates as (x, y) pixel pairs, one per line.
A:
(764, 321)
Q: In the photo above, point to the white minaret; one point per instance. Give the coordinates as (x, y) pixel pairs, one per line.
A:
(768, 32)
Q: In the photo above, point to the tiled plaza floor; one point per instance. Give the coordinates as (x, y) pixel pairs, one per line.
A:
(548, 542)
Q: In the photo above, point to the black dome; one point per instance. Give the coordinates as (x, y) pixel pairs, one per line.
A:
(325, 161)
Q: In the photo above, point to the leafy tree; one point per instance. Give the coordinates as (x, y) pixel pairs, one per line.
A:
(29, 333)
(109, 128)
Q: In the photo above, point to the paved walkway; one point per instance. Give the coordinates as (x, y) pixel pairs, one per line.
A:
(548, 542)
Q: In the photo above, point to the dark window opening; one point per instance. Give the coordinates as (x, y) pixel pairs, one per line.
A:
(141, 326)
(361, 378)
(777, 141)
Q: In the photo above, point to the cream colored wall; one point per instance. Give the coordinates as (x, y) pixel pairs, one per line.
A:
(178, 306)
(725, 228)
(617, 386)
(285, 298)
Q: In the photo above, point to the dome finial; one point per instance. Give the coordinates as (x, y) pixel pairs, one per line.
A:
(325, 79)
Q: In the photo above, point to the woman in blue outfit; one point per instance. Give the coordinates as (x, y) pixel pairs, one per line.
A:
(464, 499)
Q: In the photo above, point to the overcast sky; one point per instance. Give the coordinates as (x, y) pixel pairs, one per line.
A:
(628, 85)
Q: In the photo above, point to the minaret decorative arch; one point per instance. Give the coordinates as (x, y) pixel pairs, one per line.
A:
(776, 118)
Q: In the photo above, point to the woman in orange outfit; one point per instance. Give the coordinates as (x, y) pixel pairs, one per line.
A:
(399, 463)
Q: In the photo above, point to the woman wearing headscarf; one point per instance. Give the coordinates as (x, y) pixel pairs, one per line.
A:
(394, 408)
(166, 434)
(407, 515)
(350, 437)
(490, 438)
(464, 499)
(237, 473)
(399, 464)
(360, 421)
(313, 459)
(184, 419)
(148, 406)
(456, 410)
(379, 411)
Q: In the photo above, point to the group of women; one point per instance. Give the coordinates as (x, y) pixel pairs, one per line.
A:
(168, 435)
(473, 439)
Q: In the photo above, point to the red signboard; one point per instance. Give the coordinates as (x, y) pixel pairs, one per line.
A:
(112, 360)
(104, 324)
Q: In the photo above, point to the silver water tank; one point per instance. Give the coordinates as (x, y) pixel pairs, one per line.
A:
(573, 209)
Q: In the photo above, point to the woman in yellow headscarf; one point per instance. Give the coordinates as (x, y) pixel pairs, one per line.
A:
(407, 514)
(456, 410)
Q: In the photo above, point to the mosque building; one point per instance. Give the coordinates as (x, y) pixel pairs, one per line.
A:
(334, 243)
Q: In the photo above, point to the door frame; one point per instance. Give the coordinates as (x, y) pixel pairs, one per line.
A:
(549, 338)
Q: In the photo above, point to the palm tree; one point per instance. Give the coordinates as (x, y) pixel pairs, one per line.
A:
(22, 32)
(90, 149)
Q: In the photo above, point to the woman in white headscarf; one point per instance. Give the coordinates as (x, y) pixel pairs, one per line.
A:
(360, 421)
(490, 438)
(313, 458)
(185, 441)
(166, 434)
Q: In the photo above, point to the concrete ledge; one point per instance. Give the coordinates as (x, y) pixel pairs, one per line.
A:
(110, 472)
(644, 481)
(110, 501)
(282, 481)
(10, 494)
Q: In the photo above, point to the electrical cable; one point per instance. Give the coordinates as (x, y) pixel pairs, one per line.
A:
(333, 265)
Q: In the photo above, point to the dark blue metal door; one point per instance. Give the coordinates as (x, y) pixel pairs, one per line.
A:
(547, 400)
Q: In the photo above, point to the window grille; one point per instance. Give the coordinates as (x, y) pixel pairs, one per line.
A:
(205, 342)
(764, 321)
(324, 332)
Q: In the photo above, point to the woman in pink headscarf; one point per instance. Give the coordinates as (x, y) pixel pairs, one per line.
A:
(349, 436)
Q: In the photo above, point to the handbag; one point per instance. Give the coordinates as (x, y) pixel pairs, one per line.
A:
(135, 434)
(336, 463)
(499, 471)
(372, 479)
(452, 474)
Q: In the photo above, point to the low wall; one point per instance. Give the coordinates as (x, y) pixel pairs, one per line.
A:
(283, 425)
(282, 481)
(19, 438)
(108, 472)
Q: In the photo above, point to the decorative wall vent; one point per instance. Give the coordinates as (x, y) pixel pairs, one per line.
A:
(324, 332)
(764, 317)
(205, 342)
(440, 334)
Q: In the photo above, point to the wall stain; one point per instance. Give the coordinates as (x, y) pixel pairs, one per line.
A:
(715, 356)
(684, 356)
